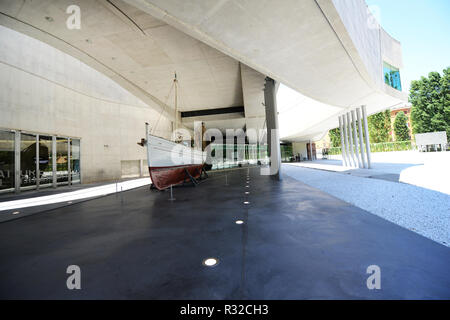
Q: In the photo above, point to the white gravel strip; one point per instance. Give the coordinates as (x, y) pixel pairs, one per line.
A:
(424, 211)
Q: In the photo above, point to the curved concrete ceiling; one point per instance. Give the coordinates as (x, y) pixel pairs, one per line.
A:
(138, 51)
(312, 50)
(321, 48)
(329, 50)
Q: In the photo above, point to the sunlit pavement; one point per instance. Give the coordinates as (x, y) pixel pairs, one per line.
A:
(296, 242)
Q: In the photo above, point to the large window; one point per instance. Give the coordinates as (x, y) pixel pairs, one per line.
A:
(27, 160)
(75, 160)
(6, 160)
(234, 155)
(62, 161)
(392, 76)
(43, 161)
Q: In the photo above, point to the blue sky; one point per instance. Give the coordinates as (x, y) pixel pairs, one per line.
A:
(423, 28)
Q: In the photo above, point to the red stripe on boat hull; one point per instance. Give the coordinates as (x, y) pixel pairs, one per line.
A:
(164, 177)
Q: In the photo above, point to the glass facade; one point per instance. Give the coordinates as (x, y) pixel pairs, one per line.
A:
(45, 160)
(62, 160)
(27, 160)
(75, 160)
(287, 155)
(392, 76)
(7, 165)
(42, 161)
(235, 155)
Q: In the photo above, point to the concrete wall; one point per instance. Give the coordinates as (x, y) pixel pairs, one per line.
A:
(300, 147)
(253, 95)
(46, 91)
(373, 43)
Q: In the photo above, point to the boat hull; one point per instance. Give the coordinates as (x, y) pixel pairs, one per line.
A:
(164, 177)
(172, 163)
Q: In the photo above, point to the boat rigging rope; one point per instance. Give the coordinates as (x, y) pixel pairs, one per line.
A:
(153, 130)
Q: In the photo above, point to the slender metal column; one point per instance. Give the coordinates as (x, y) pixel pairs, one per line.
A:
(355, 138)
(361, 145)
(273, 135)
(54, 182)
(352, 151)
(17, 169)
(341, 130)
(38, 173)
(366, 134)
(347, 150)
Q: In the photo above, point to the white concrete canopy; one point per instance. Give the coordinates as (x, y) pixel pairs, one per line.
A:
(328, 50)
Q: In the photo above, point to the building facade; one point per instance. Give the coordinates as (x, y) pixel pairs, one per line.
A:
(406, 109)
(78, 123)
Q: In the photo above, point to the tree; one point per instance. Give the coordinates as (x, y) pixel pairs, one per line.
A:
(401, 129)
(335, 137)
(380, 126)
(430, 99)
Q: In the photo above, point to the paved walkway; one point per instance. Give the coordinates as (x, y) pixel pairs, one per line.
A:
(15, 206)
(297, 242)
(424, 211)
(430, 170)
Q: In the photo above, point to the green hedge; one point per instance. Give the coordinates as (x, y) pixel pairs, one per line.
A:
(382, 147)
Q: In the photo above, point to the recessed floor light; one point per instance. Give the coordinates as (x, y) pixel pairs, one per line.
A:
(239, 222)
(247, 186)
(247, 192)
(16, 212)
(210, 262)
(246, 202)
(69, 202)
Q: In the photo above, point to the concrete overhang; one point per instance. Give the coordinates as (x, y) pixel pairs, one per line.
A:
(329, 50)
(134, 49)
(324, 49)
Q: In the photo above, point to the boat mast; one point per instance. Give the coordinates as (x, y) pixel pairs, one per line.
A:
(176, 111)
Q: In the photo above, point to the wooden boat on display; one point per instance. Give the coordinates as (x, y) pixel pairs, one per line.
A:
(171, 162)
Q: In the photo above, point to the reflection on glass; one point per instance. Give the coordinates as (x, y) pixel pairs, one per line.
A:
(27, 160)
(235, 155)
(45, 160)
(392, 76)
(75, 160)
(61, 160)
(6, 160)
(286, 153)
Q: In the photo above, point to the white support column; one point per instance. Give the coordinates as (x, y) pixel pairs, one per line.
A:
(341, 130)
(366, 134)
(355, 138)
(352, 151)
(361, 145)
(347, 150)
(273, 135)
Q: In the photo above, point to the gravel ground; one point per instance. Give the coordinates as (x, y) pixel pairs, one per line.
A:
(424, 211)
